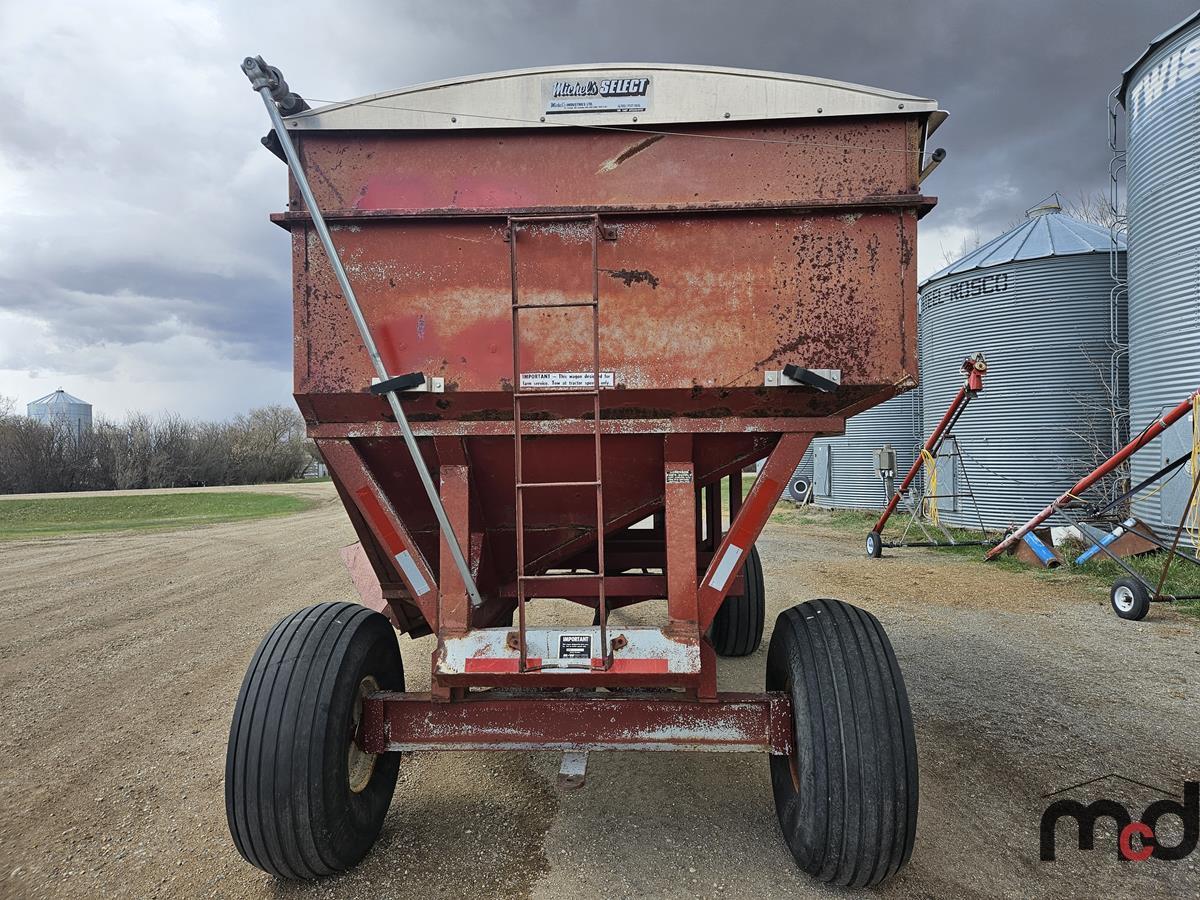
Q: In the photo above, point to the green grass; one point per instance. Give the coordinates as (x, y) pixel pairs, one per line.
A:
(56, 516)
(1098, 572)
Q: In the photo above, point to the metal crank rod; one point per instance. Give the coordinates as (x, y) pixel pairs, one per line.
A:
(268, 82)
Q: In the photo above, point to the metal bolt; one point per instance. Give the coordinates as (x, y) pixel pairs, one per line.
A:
(820, 110)
(727, 115)
(454, 118)
(901, 106)
(635, 118)
(542, 119)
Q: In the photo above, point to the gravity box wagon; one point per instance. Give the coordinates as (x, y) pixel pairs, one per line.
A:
(544, 320)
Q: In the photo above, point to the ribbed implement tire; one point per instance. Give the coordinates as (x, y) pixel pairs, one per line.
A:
(737, 628)
(847, 797)
(288, 795)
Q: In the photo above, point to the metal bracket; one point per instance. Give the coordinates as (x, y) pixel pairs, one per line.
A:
(825, 380)
(435, 385)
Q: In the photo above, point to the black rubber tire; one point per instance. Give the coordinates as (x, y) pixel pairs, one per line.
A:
(737, 628)
(799, 489)
(874, 545)
(847, 797)
(288, 797)
(1129, 598)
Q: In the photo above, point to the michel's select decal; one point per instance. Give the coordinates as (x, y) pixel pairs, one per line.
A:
(586, 95)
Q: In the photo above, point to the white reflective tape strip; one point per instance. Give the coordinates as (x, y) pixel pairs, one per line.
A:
(725, 568)
(409, 567)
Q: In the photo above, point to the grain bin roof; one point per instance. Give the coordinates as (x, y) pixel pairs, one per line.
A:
(1046, 232)
(610, 94)
(1153, 45)
(58, 397)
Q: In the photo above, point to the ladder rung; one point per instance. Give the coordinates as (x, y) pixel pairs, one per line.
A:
(569, 392)
(562, 305)
(557, 484)
(557, 577)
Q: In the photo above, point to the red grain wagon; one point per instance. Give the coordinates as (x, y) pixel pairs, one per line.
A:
(589, 298)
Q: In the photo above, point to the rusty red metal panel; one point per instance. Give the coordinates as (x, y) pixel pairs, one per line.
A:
(681, 530)
(743, 165)
(366, 582)
(709, 303)
(721, 262)
(585, 586)
(454, 606)
(729, 722)
(376, 509)
(750, 430)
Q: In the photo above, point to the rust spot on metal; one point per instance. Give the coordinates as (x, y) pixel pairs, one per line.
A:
(633, 276)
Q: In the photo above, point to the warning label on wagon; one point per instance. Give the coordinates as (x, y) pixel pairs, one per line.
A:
(589, 95)
(575, 646)
(580, 380)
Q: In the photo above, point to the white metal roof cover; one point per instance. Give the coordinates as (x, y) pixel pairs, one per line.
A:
(672, 94)
(1040, 236)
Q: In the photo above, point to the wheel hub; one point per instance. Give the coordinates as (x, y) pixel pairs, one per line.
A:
(361, 763)
(1123, 598)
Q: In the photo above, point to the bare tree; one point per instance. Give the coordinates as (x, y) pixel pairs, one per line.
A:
(266, 444)
(1093, 207)
(971, 242)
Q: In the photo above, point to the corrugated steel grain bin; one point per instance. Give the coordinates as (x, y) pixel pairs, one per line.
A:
(1037, 300)
(1161, 96)
(845, 468)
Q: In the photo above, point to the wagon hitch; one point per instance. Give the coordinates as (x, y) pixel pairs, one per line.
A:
(278, 98)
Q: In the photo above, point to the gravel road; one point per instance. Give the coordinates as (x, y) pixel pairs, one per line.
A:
(121, 655)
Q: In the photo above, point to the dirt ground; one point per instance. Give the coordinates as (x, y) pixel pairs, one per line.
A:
(121, 656)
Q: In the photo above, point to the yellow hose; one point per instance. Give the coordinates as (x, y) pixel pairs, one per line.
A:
(930, 501)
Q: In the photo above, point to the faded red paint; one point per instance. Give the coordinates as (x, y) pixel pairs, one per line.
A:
(730, 721)
(712, 262)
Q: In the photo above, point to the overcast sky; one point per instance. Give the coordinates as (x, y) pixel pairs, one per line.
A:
(137, 266)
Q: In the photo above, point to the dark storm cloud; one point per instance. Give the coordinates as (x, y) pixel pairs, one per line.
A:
(246, 316)
(1026, 83)
(136, 193)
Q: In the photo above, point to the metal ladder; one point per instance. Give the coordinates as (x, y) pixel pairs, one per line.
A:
(519, 394)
